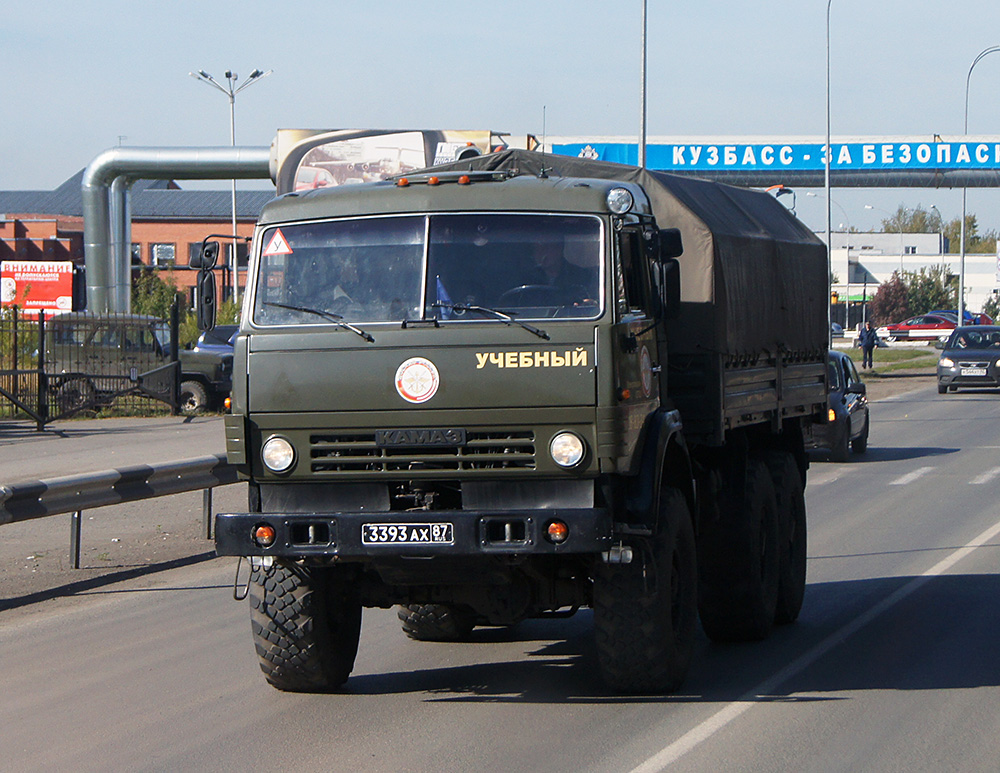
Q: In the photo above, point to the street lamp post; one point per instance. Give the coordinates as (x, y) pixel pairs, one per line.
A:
(231, 90)
(826, 183)
(830, 200)
(961, 259)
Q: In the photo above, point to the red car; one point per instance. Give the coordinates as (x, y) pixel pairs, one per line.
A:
(925, 327)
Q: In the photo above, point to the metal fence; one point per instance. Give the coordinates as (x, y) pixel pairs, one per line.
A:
(75, 493)
(52, 368)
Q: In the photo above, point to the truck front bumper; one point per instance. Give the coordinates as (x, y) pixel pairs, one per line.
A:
(418, 533)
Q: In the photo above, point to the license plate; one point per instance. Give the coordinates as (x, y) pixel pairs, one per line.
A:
(407, 534)
(973, 372)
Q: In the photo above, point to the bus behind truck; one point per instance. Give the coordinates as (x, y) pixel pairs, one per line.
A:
(519, 386)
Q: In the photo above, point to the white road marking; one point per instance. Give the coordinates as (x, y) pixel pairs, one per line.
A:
(828, 475)
(986, 477)
(702, 732)
(910, 476)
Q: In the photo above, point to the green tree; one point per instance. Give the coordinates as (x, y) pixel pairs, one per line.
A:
(913, 221)
(890, 303)
(974, 241)
(928, 289)
(153, 295)
(992, 306)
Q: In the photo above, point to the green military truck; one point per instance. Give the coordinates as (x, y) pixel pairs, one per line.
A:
(517, 387)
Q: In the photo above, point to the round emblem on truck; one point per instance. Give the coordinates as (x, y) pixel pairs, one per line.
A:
(417, 380)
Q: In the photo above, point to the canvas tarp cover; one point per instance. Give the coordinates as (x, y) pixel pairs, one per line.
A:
(753, 277)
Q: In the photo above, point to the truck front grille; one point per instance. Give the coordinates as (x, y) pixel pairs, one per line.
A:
(358, 452)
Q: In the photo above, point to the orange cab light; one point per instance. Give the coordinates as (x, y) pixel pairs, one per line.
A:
(464, 180)
(557, 532)
(228, 403)
(433, 181)
(832, 416)
(264, 535)
(402, 182)
(624, 394)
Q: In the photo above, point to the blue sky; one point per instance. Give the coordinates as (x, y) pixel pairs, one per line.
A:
(80, 76)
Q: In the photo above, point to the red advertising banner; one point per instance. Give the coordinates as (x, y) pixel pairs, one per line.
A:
(37, 285)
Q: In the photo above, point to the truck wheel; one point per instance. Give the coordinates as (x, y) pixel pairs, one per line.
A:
(942, 389)
(790, 500)
(192, 398)
(306, 626)
(75, 395)
(436, 622)
(645, 612)
(738, 560)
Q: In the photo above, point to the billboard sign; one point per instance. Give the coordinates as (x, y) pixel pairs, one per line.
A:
(37, 285)
(895, 156)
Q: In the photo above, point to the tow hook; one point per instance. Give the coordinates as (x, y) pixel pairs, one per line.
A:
(255, 562)
(619, 554)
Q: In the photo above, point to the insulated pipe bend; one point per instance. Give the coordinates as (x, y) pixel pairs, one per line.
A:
(104, 291)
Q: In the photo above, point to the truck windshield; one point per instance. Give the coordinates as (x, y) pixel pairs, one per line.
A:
(392, 269)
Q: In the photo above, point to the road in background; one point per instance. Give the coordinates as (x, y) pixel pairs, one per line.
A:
(892, 665)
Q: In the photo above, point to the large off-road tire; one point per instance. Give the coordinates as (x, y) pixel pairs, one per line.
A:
(306, 626)
(645, 612)
(790, 500)
(436, 622)
(738, 558)
(193, 398)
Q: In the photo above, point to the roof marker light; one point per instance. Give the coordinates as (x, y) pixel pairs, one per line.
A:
(433, 181)
(402, 182)
(464, 180)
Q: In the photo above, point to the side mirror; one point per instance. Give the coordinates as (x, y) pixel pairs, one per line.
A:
(207, 258)
(940, 343)
(205, 299)
(857, 389)
(670, 243)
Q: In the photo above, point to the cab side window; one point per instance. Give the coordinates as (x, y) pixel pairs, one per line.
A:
(632, 278)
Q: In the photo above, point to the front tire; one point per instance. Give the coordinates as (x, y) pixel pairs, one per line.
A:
(645, 612)
(193, 398)
(306, 626)
(738, 559)
(942, 389)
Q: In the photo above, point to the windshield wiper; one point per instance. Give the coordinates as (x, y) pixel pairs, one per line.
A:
(502, 316)
(335, 318)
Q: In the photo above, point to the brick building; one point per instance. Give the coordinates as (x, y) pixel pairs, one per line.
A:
(168, 223)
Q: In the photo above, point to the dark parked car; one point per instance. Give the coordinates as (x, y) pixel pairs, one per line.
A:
(218, 340)
(848, 425)
(971, 358)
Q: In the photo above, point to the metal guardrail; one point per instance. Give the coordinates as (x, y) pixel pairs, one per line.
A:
(76, 493)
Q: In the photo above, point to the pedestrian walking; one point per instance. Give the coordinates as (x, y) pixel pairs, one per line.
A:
(868, 339)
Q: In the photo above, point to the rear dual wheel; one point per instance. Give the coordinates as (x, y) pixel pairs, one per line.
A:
(739, 557)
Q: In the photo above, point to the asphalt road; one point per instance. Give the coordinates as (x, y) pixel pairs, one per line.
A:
(892, 666)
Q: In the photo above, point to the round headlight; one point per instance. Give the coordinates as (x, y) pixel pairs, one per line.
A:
(620, 200)
(567, 449)
(277, 454)
(946, 362)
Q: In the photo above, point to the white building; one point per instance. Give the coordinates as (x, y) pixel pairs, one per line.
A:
(862, 261)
